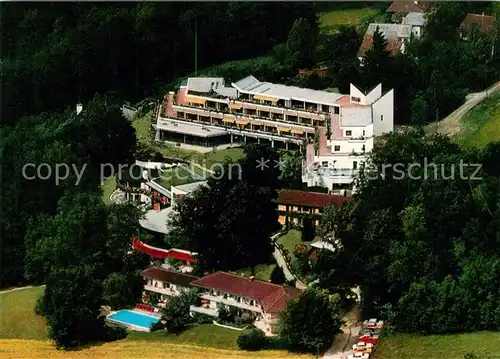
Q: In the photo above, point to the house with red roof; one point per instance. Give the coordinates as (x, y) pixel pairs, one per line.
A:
(293, 205)
(161, 284)
(262, 300)
(483, 23)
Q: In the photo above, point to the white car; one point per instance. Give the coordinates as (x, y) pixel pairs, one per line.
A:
(362, 346)
(373, 323)
(359, 356)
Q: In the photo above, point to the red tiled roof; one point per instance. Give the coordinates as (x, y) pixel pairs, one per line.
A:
(309, 199)
(484, 22)
(169, 276)
(393, 46)
(161, 253)
(273, 297)
(407, 6)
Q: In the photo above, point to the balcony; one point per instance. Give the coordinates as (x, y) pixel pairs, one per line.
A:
(232, 302)
(204, 310)
(166, 291)
(360, 139)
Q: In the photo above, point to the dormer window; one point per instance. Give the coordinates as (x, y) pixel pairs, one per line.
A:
(355, 99)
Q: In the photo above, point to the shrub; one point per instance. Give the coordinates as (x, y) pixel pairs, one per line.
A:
(112, 333)
(203, 318)
(252, 339)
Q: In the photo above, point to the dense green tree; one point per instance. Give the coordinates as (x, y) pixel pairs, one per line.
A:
(122, 290)
(176, 313)
(311, 321)
(418, 112)
(301, 44)
(71, 306)
(234, 214)
(252, 339)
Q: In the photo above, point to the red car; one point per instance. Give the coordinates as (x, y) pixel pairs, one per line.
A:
(369, 339)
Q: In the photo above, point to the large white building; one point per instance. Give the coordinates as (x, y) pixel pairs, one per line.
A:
(206, 112)
(332, 161)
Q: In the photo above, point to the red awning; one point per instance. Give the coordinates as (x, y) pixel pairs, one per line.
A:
(162, 253)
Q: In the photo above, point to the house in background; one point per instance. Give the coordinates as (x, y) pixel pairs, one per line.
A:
(397, 36)
(417, 21)
(261, 300)
(405, 7)
(293, 205)
(161, 284)
(483, 23)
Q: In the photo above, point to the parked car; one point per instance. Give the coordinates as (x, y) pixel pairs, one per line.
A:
(372, 339)
(359, 355)
(363, 347)
(369, 332)
(373, 324)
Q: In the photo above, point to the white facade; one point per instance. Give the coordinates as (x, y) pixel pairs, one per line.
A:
(362, 118)
(163, 287)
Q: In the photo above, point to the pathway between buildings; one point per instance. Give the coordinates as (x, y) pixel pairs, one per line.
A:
(283, 265)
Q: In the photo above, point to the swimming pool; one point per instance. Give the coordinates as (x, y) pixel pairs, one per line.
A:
(133, 320)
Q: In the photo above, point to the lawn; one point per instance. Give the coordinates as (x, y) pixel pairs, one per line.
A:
(481, 124)
(261, 271)
(130, 349)
(330, 20)
(107, 189)
(397, 346)
(290, 240)
(17, 318)
(18, 321)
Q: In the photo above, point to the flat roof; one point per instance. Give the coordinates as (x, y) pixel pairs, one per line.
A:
(253, 86)
(157, 221)
(357, 116)
(190, 187)
(187, 128)
(204, 84)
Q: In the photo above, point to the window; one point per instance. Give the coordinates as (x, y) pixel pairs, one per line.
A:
(363, 148)
(336, 148)
(336, 110)
(166, 285)
(355, 165)
(324, 163)
(363, 133)
(381, 117)
(355, 99)
(348, 133)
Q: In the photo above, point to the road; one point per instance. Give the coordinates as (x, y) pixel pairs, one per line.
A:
(451, 124)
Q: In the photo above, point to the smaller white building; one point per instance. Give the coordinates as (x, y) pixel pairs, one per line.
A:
(417, 21)
(178, 192)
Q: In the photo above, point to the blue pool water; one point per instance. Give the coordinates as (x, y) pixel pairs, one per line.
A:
(134, 318)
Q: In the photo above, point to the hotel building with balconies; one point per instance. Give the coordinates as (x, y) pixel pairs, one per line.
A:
(206, 112)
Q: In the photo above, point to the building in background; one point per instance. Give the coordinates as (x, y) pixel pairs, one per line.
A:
(293, 205)
(483, 23)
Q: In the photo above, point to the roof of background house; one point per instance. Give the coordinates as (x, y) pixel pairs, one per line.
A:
(393, 46)
(273, 297)
(390, 31)
(484, 22)
(204, 84)
(251, 85)
(169, 276)
(310, 199)
(408, 6)
(415, 19)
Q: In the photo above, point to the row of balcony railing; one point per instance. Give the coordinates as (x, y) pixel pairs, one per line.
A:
(236, 127)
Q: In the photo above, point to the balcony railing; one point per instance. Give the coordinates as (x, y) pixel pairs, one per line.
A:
(134, 189)
(203, 310)
(247, 116)
(232, 302)
(167, 291)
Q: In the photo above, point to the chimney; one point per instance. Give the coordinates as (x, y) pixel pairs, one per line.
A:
(79, 108)
(252, 278)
